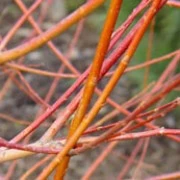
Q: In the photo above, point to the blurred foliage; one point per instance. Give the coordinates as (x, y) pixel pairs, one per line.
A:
(72, 5)
(166, 36)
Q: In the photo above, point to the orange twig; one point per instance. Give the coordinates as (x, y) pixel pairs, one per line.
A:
(50, 34)
(39, 72)
(118, 73)
(93, 76)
